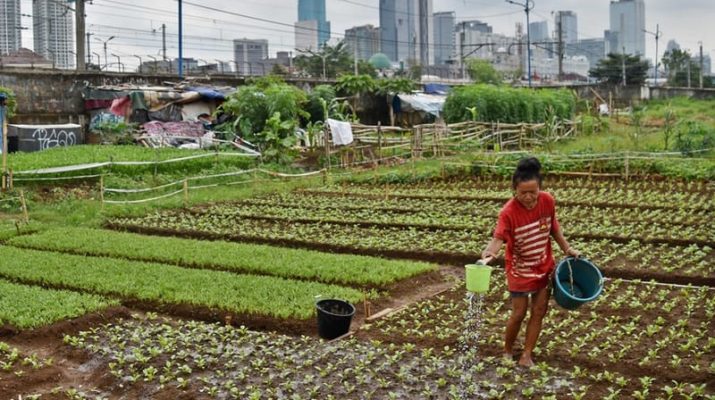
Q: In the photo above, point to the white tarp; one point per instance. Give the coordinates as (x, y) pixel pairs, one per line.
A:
(342, 132)
(429, 103)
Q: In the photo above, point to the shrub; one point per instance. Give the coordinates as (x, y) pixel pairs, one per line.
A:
(508, 105)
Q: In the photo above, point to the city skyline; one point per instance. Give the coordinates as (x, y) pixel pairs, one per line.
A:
(217, 25)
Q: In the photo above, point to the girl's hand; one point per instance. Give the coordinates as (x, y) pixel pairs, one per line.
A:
(573, 252)
(488, 256)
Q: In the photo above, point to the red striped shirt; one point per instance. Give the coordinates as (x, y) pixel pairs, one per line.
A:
(527, 233)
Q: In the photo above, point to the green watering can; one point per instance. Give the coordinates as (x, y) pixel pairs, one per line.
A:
(478, 275)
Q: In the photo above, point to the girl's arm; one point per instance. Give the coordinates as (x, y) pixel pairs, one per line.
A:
(564, 245)
(492, 249)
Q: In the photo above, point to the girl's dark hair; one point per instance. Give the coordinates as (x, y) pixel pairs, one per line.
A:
(528, 169)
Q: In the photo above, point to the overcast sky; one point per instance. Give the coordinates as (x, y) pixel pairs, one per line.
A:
(208, 33)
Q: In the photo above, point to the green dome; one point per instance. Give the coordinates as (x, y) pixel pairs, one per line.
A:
(380, 61)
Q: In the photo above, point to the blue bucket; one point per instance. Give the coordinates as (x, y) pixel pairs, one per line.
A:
(587, 283)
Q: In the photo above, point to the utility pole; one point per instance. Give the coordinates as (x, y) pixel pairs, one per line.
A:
(355, 54)
(181, 39)
(89, 51)
(80, 30)
(561, 47)
(163, 41)
(623, 63)
(657, 35)
(462, 36)
(528, 6)
(701, 64)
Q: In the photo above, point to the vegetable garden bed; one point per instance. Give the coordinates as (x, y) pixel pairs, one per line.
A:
(633, 334)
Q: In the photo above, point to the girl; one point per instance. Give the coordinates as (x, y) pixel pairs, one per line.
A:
(526, 223)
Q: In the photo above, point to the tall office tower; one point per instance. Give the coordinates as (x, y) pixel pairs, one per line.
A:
(10, 32)
(569, 26)
(407, 31)
(314, 10)
(249, 55)
(53, 31)
(628, 25)
(444, 39)
(539, 31)
(363, 41)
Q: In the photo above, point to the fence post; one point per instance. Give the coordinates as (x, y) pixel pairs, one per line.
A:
(186, 193)
(379, 141)
(23, 203)
(101, 190)
(627, 167)
(327, 146)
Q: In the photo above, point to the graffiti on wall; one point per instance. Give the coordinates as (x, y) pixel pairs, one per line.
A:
(48, 138)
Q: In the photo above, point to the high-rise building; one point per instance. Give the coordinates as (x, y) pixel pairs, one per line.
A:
(249, 55)
(306, 35)
(593, 49)
(10, 37)
(539, 31)
(54, 31)
(628, 24)
(444, 40)
(474, 26)
(569, 26)
(363, 41)
(407, 31)
(314, 10)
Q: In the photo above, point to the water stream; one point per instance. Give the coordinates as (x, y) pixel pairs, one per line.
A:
(469, 341)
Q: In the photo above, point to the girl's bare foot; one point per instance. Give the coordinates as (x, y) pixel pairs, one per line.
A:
(526, 361)
(508, 356)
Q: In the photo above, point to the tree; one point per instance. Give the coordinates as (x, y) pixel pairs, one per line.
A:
(391, 87)
(354, 86)
(335, 59)
(677, 65)
(482, 71)
(610, 69)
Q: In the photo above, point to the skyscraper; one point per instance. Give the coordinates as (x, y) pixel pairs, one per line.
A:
(314, 10)
(10, 39)
(53, 31)
(407, 31)
(539, 31)
(444, 39)
(363, 41)
(569, 26)
(628, 25)
(249, 55)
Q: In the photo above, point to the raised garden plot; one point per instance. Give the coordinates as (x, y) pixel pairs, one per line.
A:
(27, 307)
(255, 299)
(196, 359)
(638, 340)
(658, 226)
(233, 257)
(568, 196)
(619, 256)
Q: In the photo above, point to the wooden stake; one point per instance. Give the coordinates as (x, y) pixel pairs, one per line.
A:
(627, 167)
(25, 214)
(101, 191)
(186, 193)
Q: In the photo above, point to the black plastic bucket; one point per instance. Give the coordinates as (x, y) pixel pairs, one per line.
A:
(334, 317)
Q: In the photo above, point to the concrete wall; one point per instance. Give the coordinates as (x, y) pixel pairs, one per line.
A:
(659, 92)
(55, 96)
